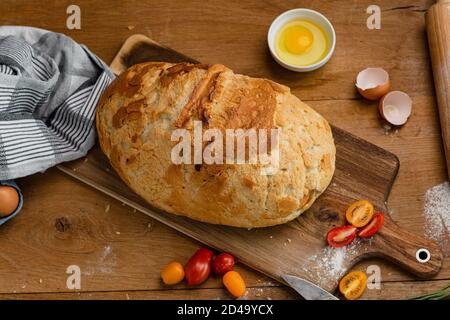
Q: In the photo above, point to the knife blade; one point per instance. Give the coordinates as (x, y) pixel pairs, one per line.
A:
(306, 289)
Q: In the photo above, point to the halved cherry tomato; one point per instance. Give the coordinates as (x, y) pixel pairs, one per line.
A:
(223, 263)
(352, 286)
(198, 267)
(234, 283)
(359, 213)
(373, 226)
(341, 236)
(173, 273)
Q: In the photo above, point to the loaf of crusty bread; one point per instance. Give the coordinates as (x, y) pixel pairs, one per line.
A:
(140, 110)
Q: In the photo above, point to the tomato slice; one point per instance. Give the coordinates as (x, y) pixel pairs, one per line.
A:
(341, 236)
(359, 213)
(352, 286)
(373, 226)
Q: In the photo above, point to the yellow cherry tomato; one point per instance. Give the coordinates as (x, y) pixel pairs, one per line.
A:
(173, 273)
(359, 213)
(352, 286)
(234, 283)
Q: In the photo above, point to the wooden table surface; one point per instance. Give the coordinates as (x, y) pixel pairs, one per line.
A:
(120, 252)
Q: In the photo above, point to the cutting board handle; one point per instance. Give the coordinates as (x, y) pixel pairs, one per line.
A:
(420, 256)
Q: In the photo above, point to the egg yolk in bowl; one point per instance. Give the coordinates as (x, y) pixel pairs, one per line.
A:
(301, 43)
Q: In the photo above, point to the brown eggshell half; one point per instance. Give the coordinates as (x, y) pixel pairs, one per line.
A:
(395, 107)
(373, 83)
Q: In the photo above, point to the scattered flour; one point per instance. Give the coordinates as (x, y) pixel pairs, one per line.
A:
(105, 253)
(437, 214)
(105, 262)
(388, 130)
(331, 263)
(259, 292)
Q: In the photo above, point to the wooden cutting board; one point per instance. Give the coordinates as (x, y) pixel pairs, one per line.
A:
(363, 171)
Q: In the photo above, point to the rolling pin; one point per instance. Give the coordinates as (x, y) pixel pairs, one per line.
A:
(437, 20)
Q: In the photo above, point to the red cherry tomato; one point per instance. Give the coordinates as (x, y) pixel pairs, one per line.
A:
(373, 226)
(223, 263)
(198, 267)
(341, 236)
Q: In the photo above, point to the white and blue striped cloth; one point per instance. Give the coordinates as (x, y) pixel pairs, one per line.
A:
(49, 88)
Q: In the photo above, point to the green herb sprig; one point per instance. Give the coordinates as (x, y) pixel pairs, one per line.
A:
(442, 294)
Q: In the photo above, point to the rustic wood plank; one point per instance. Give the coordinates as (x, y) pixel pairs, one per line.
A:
(235, 36)
(258, 293)
(388, 290)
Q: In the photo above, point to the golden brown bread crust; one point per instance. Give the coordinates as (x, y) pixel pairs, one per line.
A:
(137, 114)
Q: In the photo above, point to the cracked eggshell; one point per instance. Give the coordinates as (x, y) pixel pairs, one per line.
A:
(395, 107)
(373, 83)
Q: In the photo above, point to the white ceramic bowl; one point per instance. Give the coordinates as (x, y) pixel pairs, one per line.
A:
(308, 14)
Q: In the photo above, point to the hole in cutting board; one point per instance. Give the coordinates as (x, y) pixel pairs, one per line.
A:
(423, 255)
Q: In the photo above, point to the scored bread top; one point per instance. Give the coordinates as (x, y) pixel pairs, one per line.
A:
(138, 112)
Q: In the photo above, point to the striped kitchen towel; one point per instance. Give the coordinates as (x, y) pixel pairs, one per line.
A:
(49, 88)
